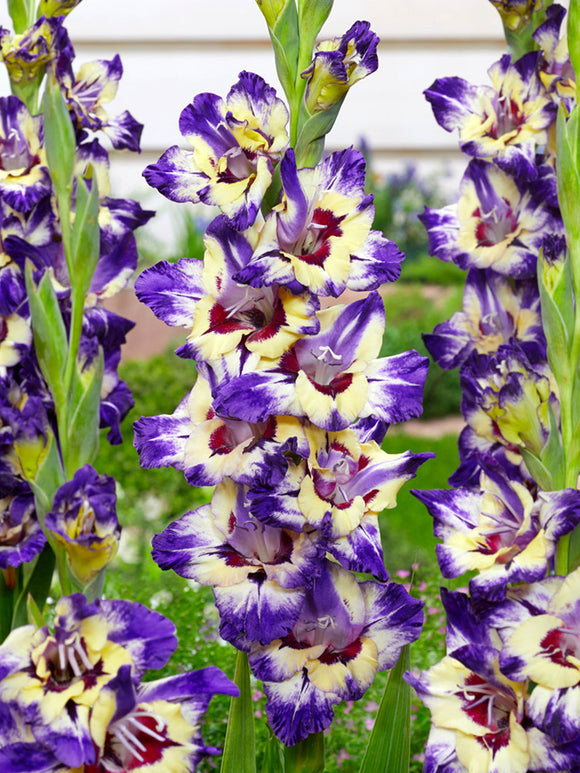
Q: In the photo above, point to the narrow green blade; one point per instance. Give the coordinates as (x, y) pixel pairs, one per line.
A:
(240, 745)
(389, 746)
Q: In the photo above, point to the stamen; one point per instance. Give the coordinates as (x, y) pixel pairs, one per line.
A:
(326, 354)
(160, 722)
(83, 655)
(61, 657)
(145, 729)
(72, 660)
(490, 710)
(130, 742)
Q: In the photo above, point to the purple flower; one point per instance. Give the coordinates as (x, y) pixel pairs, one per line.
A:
(498, 223)
(222, 313)
(338, 64)
(53, 679)
(507, 399)
(319, 238)
(499, 529)
(156, 724)
(24, 179)
(21, 537)
(346, 632)
(494, 313)
(476, 711)
(27, 55)
(338, 491)
(208, 448)
(332, 378)
(556, 71)
(235, 143)
(260, 573)
(84, 521)
(539, 626)
(504, 122)
(95, 84)
(516, 14)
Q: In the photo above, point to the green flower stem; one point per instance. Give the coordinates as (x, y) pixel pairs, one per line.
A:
(41, 506)
(63, 206)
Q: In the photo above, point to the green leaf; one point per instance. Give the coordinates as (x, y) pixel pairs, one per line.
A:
(538, 470)
(35, 589)
(8, 591)
(574, 35)
(273, 760)
(389, 746)
(34, 614)
(272, 10)
(285, 39)
(552, 455)
(567, 168)
(48, 328)
(83, 426)
(85, 236)
(311, 16)
(282, 19)
(59, 140)
(48, 477)
(306, 756)
(556, 287)
(22, 14)
(240, 744)
(313, 129)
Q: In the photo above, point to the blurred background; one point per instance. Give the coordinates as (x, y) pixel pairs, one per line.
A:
(175, 49)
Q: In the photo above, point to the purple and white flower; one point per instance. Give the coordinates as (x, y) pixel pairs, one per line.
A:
(234, 145)
(333, 378)
(260, 573)
(83, 520)
(346, 632)
(319, 237)
(499, 222)
(494, 313)
(338, 64)
(505, 122)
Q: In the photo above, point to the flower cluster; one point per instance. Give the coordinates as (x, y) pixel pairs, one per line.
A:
(292, 399)
(39, 233)
(72, 697)
(492, 707)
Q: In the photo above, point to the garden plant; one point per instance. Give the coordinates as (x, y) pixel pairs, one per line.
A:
(282, 444)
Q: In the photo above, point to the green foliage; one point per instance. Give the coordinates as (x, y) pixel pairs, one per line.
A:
(409, 313)
(85, 235)
(59, 141)
(407, 530)
(390, 742)
(158, 385)
(22, 14)
(239, 754)
(50, 338)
